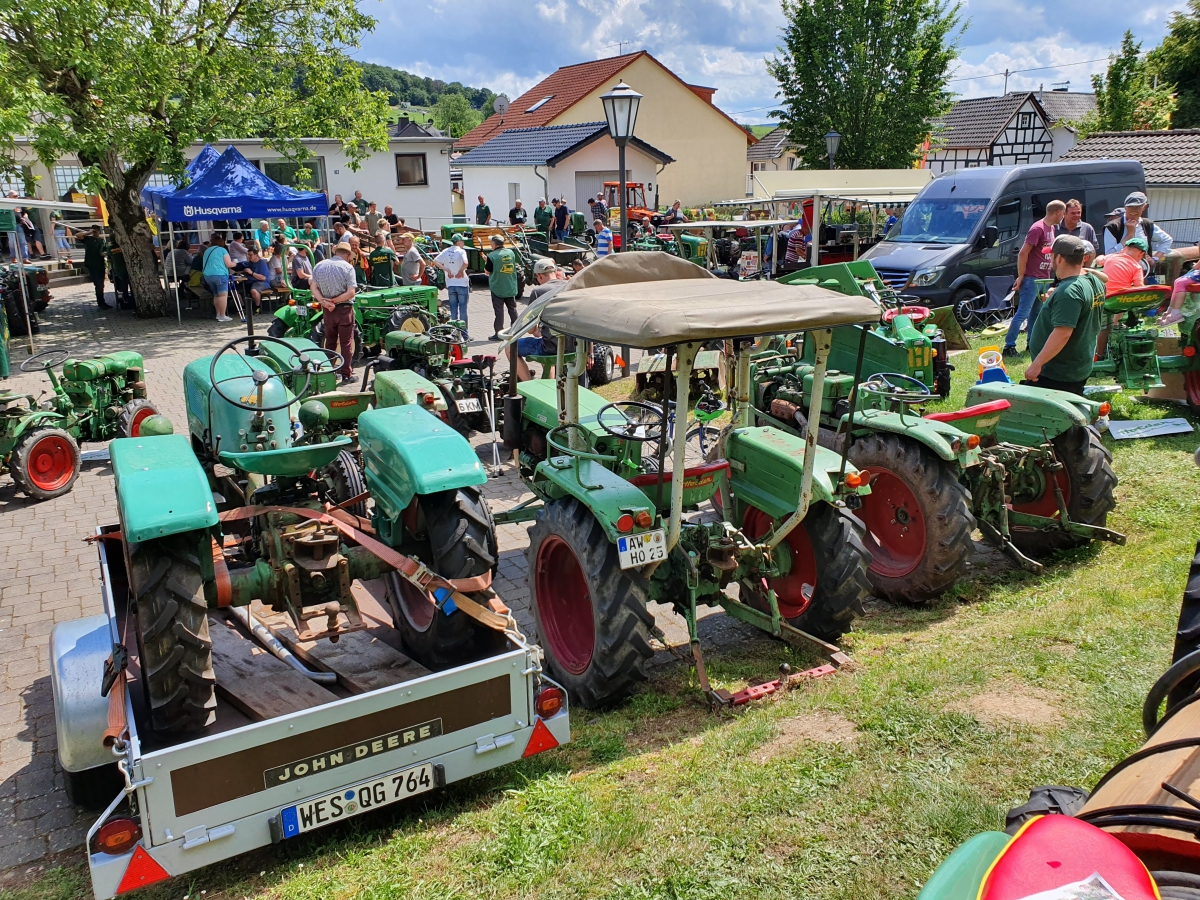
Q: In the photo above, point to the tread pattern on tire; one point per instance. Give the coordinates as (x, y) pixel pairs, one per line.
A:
(172, 619)
(346, 477)
(462, 540)
(19, 464)
(945, 504)
(1093, 483)
(129, 412)
(842, 583)
(603, 367)
(623, 623)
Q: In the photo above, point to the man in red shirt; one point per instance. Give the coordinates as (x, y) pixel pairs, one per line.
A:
(1033, 263)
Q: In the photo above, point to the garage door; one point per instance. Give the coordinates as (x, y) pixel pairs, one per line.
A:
(589, 184)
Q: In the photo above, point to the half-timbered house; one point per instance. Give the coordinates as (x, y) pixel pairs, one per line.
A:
(991, 131)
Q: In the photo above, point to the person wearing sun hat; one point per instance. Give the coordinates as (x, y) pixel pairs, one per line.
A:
(453, 261)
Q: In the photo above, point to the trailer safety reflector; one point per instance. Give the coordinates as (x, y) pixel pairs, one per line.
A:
(540, 741)
(143, 869)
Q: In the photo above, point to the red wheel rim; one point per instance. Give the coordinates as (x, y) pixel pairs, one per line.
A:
(789, 589)
(51, 463)
(895, 525)
(1047, 504)
(418, 607)
(564, 606)
(135, 427)
(1191, 384)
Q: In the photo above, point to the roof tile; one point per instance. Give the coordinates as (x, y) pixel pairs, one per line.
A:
(539, 146)
(976, 122)
(1168, 157)
(770, 146)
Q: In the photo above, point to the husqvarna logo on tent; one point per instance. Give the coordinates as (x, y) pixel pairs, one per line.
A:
(189, 210)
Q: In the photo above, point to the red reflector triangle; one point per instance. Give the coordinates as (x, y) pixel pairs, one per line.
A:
(142, 870)
(539, 741)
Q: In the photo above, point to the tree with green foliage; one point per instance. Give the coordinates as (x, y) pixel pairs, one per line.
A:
(404, 87)
(453, 115)
(126, 85)
(872, 70)
(1177, 61)
(1129, 96)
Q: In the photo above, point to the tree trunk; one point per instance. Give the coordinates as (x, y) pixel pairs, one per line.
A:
(123, 195)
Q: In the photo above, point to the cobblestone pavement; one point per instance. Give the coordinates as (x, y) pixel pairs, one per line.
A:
(48, 574)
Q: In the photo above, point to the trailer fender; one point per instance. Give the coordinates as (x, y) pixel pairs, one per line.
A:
(161, 487)
(766, 465)
(78, 651)
(408, 452)
(940, 437)
(606, 494)
(1034, 414)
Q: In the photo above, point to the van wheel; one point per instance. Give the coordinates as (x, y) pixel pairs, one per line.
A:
(963, 303)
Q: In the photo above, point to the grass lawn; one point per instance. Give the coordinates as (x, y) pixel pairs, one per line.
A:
(853, 787)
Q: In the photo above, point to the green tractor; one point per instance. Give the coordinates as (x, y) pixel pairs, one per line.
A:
(622, 519)
(93, 400)
(233, 513)
(1025, 465)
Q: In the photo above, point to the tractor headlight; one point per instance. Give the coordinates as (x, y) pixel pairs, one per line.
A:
(926, 277)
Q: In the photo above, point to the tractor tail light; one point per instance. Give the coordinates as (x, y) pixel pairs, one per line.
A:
(1189, 352)
(42, 277)
(855, 479)
(625, 524)
(643, 519)
(427, 398)
(291, 301)
(548, 702)
(1106, 407)
(972, 441)
(117, 836)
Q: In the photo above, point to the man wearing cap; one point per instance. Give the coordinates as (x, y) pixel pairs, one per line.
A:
(1124, 269)
(561, 231)
(543, 215)
(501, 267)
(453, 261)
(544, 343)
(333, 286)
(1131, 221)
(1062, 340)
(1033, 264)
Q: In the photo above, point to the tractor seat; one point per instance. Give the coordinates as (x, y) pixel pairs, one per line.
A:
(482, 359)
(971, 412)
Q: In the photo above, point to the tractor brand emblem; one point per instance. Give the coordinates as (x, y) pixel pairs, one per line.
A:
(987, 423)
(252, 399)
(323, 762)
(339, 404)
(697, 482)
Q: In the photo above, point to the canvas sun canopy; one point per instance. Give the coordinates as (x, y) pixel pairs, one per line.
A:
(232, 188)
(151, 196)
(652, 299)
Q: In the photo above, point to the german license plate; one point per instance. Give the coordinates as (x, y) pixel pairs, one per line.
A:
(642, 549)
(352, 801)
(471, 404)
(301, 311)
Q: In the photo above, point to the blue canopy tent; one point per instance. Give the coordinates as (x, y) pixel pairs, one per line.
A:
(231, 188)
(152, 196)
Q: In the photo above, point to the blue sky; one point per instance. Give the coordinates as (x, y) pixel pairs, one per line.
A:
(509, 46)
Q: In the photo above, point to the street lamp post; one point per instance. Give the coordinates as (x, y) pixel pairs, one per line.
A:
(832, 139)
(621, 109)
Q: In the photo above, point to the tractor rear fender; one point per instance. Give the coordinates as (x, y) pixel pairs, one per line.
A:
(939, 437)
(404, 387)
(39, 418)
(605, 493)
(409, 452)
(765, 469)
(1034, 414)
(161, 487)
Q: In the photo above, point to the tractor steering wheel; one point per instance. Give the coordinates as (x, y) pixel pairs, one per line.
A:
(898, 387)
(260, 377)
(917, 313)
(644, 423)
(47, 359)
(447, 334)
(336, 360)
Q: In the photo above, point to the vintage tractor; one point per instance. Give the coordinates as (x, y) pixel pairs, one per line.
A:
(93, 400)
(235, 514)
(1137, 356)
(36, 295)
(616, 525)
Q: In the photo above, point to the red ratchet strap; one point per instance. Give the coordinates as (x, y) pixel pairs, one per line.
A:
(116, 711)
(221, 574)
(414, 571)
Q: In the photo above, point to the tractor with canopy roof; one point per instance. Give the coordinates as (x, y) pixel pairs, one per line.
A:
(622, 519)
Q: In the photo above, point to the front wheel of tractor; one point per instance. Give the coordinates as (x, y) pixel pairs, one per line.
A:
(45, 463)
(591, 614)
(134, 413)
(344, 481)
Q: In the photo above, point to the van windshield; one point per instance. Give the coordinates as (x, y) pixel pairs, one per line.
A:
(946, 221)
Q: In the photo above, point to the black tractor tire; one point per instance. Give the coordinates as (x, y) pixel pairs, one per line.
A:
(604, 365)
(1088, 470)
(172, 627)
(462, 544)
(941, 383)
(454, 418)
(521, 283)
(278, 328)
(575, 578)
(842, 584)
(344, 477)
(129, 422)
(95, 788)
(405, 314)
(14, 308)
(916, 481)
(45, 463)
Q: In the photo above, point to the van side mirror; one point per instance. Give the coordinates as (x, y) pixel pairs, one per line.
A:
(990, 235)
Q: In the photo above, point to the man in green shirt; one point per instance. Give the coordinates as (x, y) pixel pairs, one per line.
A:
(94, 250)
(285, 230)
(382, 261)
(483, 212)
(310, 236)
(543, 216)
(1063, 343)
(501, 268)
